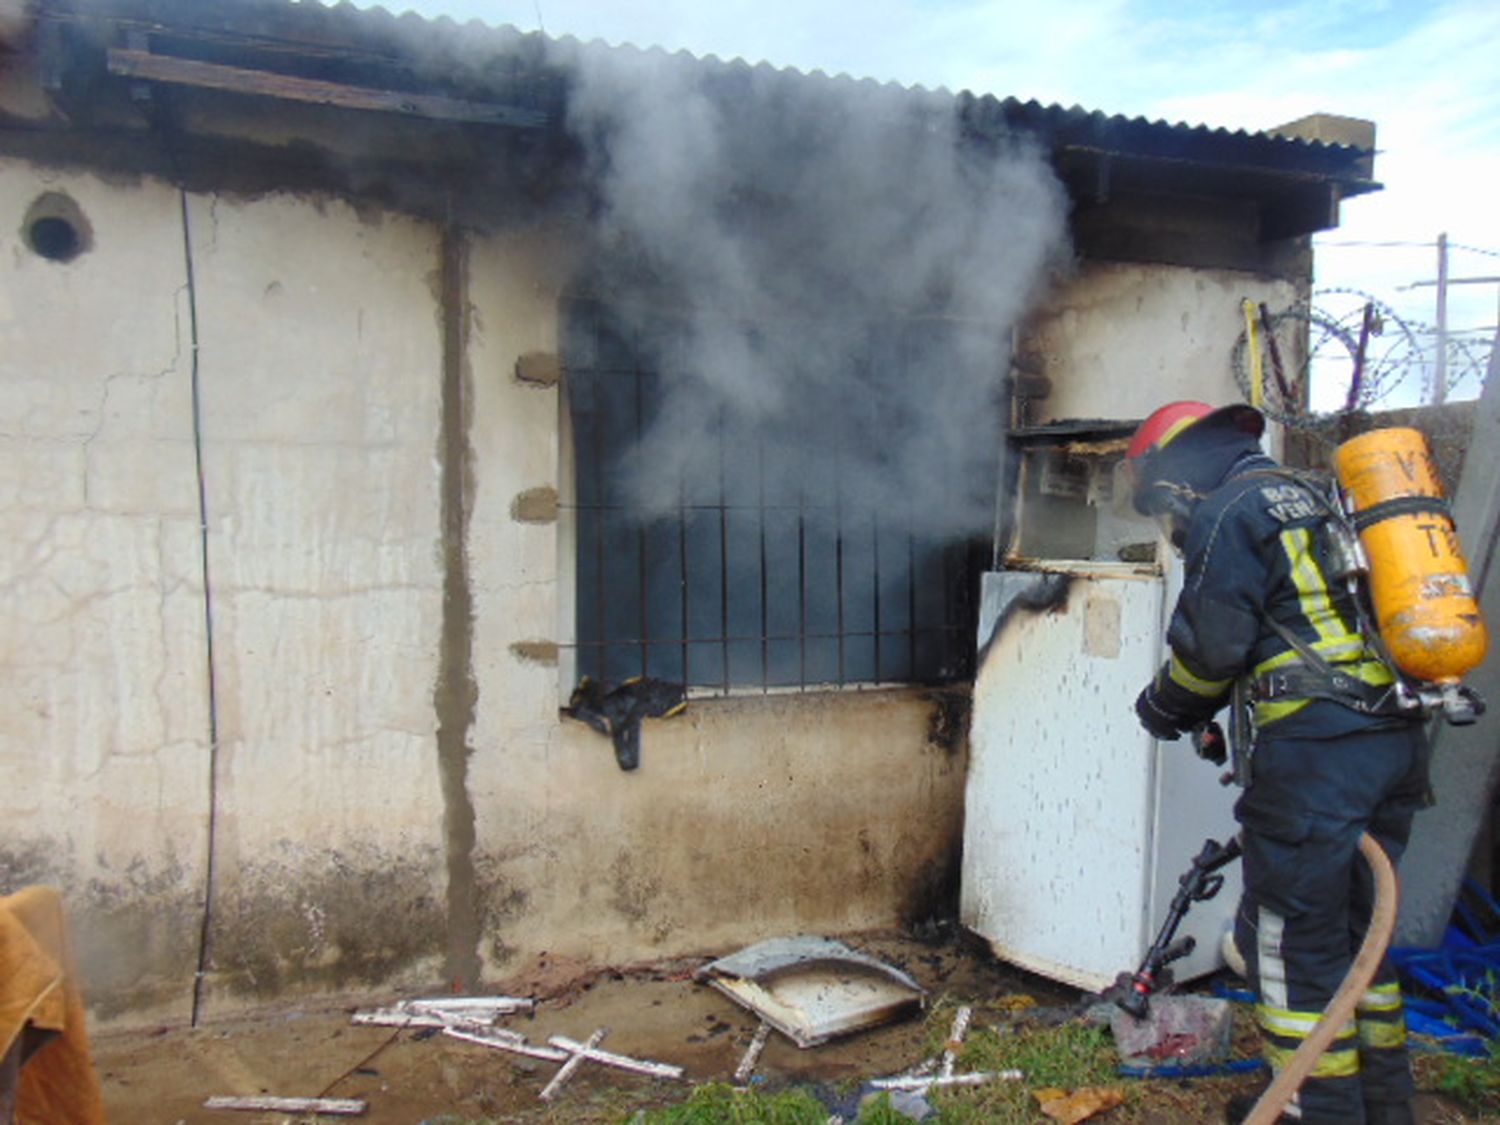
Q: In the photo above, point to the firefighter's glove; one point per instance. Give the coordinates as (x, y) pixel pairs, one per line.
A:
(1209, 742)
(1160, 724)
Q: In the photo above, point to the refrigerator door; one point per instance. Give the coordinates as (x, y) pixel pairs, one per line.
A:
(1077, 824)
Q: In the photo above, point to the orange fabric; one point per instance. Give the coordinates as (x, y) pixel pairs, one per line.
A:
(39, 987)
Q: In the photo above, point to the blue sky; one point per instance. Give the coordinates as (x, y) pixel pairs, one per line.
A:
(1426, 71)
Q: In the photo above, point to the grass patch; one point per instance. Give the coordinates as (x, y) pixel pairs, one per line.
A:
(718, 1104)
(1066, 1056)
(1474, 1082)
(725, 1105)
(1072, 1054)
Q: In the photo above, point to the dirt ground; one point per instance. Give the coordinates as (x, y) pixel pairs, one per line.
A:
(164, 1075)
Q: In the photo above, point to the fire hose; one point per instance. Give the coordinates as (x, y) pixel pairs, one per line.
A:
(1341, 1008)
(1132, 991)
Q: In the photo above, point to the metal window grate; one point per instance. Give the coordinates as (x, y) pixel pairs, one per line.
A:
(742, 583)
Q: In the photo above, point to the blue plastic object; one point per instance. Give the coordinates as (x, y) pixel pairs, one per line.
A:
(1203, 1070)
(1444, 1035)
(1238, 995)
(1453, 992)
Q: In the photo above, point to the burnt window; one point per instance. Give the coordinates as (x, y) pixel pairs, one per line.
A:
(733, 555)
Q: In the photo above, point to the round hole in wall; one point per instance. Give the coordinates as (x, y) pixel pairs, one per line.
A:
(55, 238)
(55, 228)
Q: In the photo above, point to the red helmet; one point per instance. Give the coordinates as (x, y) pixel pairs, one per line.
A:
(1165, 423)
(1143, 462)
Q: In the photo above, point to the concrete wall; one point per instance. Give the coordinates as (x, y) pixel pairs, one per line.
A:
(1122, 339)
(321, 347)
(103, 683)
(748, 817)
(369, 787)
(392, 799)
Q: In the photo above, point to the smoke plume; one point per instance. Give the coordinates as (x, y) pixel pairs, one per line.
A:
(13, 19)
(835, 275)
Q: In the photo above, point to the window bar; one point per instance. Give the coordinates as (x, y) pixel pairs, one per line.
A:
(723, 560)
(911, 604)
(958, 612)
(682, 559)
(765, 594)
(875, 535)
(838, 561)
(963, 597)
(801, 589)
(645, 627)
(952, 564)
(601, 514)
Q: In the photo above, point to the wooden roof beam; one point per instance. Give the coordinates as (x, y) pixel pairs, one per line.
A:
(147, 66)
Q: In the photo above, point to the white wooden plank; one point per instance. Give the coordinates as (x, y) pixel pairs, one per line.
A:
(978, 1078)
(502, 1040)
(752, 1053)
(346, 1107)
(565, 1072)
(621, 1062)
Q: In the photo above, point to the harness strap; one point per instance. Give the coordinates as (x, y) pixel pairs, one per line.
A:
(1402, 506)
(1319, 679)
(1303, 683)
(1314, 676)
(1302, 648)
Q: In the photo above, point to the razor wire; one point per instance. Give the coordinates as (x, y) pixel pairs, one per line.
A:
(1336, 356)
(1347, 352)
(1347, 361)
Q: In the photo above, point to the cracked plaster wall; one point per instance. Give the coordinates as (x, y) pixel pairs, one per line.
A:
(322, 352)
(103, 691)
(323, 372)
(1122, 339)
(748, 817)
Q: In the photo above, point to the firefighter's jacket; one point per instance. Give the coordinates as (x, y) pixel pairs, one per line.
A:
(1255, 552)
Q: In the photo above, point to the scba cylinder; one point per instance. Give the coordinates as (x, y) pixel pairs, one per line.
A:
(1419, 584)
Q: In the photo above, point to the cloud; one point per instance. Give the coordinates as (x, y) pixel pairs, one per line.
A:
(1424, 73)
(1426, 76)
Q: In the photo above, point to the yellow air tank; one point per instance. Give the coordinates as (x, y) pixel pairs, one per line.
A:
(1419, 585)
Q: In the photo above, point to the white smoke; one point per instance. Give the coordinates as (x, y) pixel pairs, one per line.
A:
(842, 271)
(13, 19)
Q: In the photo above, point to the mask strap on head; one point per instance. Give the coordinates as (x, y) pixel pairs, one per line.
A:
(1168, 497)
(1170, 504)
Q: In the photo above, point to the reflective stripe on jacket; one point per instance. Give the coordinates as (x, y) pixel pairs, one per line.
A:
(1255, 549)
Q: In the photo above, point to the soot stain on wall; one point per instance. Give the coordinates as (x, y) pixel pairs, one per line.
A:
(501, 900)
(633, 893)
(948, 726)
(341, 920)
(933, 893)
(131, 925)
(24, 862)
(137, 939)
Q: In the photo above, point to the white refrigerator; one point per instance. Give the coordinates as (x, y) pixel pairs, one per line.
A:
(1078, 824)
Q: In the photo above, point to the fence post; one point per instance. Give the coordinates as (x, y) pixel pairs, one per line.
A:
(1440, 363)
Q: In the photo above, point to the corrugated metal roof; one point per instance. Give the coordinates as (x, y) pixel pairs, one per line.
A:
(433, 45)
(478, 74)
(505, 37)
(1052, 118)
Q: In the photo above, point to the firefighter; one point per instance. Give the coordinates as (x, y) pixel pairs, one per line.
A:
(1334, 754)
